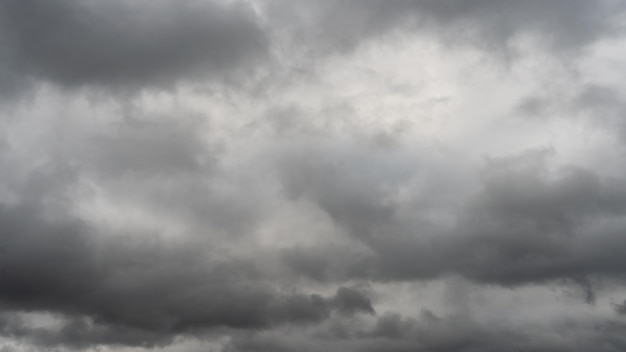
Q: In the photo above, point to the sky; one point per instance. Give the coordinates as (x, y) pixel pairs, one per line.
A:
(304, 176)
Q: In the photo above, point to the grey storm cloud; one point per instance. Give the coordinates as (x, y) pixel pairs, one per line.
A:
(123, 43)
(328, 208)
(526, 225)
(493, 24)
(126, 44)
(429, 332)
(620, 308)
(135, 291)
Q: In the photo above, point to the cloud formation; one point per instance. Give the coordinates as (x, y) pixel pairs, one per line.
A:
(487, 23)
(302, 175)
(124, 43)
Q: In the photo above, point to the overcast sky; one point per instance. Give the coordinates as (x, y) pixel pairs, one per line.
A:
(306, 175)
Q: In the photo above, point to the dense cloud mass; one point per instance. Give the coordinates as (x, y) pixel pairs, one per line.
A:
(123, 43)
(273, 175)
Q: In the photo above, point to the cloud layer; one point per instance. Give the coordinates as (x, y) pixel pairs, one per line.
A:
(250, 176)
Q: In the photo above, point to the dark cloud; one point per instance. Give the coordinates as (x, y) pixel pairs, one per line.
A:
(559, 24)
(527, 224)
(136, 291)
(300, 215)
(328, 262)
(620, 308)
(123, 43)
(351, 300)
(429, 332)
(130, 45)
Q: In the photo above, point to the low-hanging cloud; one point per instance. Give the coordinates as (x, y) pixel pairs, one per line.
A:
(124, 44)
(301, 175)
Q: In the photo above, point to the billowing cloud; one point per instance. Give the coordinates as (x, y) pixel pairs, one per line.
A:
(257, 175)
(135, 291)
(430, 332)
(526, 224)
(337, 25)
(124, 43)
